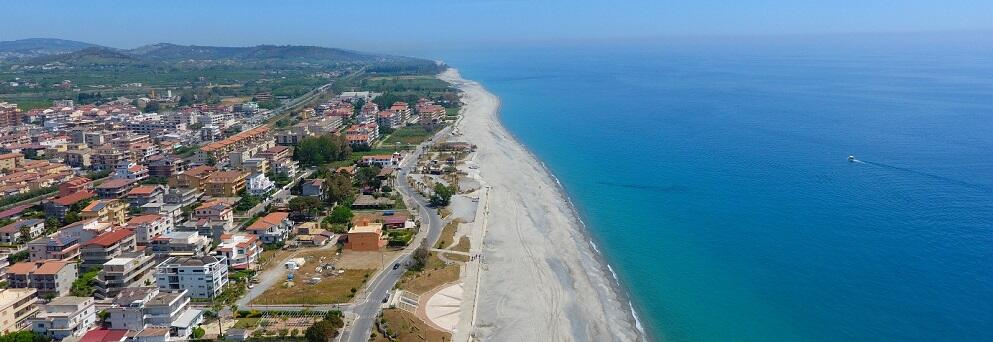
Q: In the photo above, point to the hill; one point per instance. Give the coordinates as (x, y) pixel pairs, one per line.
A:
(91, 56)
(36, 47)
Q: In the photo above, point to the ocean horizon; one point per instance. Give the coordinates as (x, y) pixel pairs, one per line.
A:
(716, 182)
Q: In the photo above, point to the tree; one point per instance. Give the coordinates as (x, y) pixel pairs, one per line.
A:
(325, 330)
(369, 176)
(309, 205)
(316, 151)
(198, 332)
(338, 188)
(341, 215)
(442, 195)
(420, 258)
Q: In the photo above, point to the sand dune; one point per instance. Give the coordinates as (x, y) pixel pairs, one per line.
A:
(541, 281)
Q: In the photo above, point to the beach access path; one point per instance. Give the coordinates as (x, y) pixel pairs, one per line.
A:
(540, 279)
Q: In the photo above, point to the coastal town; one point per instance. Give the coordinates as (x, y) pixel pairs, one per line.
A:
(335, 214)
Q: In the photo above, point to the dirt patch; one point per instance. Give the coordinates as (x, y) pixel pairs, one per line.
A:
(365, 260)
(435, 273)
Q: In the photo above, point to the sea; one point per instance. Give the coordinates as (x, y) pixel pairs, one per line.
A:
(716, 179)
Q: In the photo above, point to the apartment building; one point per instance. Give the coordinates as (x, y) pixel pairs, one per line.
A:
(106, 210)
(194, 178)
(241, 251)
(142, 308)
(65, 244)
(202, 277)
(226, 183)
(63, 317)
(272, 228)
(16, 306)
(127, 270)
(52, 278)
(107, 246)
(145, 194)
(149, 226)
(15, 232)
(180, 243)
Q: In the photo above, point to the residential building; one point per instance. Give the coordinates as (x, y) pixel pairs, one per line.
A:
(241, 251)
(125, 271)
(201, 276)
(253, 140)
(313, 188)
(142, 308)
(180, 243)
(106, 210)
(10, 161)
(65, 316)
(52, 278)
(15, 232)
(10, 115)
(126, 169)
(182, 196)
(259, 184)
(115, 188)
(365, 236)
(74, 185)
(66, 242)
(226, 183)
(59, 207)
(272, 228)
(16, 306)
(145, 194)
(107, 246)
(149, 226)
(382, 160)
(194, 178)
(166, 166)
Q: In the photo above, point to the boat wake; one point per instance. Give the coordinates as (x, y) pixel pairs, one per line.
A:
(941, 178)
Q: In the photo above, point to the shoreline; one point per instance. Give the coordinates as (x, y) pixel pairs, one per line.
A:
(575, 277)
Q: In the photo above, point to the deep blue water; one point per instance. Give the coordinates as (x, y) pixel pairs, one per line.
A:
(716, 183)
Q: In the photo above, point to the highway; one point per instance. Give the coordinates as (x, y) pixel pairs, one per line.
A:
(366, 310)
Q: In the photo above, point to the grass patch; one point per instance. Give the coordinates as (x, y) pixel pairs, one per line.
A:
(411, 135)
(448, 234)
(462, 246)
(247, 323)
(330, 290)
(404, 326)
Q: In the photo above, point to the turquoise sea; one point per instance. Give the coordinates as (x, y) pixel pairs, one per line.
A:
(715, 180)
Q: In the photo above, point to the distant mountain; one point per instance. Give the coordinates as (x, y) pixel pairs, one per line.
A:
(262, 53)
(35, 47)
(91, 56)
(41, 51)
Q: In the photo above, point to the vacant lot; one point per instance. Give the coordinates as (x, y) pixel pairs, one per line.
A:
(330, 290)
(412, 135)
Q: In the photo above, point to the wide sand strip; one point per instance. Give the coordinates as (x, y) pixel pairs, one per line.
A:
(541, 280)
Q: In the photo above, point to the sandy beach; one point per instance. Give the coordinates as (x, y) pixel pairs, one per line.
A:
(541, 280)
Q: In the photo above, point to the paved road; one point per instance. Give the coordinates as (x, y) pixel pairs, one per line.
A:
(365, 311)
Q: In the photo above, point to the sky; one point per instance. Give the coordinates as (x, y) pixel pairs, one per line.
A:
(398, 25)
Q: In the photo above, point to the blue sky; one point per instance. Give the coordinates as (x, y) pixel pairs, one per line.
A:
(397, 25)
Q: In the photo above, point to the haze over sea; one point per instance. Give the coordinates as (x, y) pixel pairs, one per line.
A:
(714, 179)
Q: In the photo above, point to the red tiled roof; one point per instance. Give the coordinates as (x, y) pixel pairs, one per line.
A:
(144, 219)
(14, 211)
(74, 198)
(52, 267)
(105, 335)
(269, 221)
(143, 190)
(110, 238)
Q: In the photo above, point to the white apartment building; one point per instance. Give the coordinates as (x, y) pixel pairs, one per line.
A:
(65, 316)
(201, 277)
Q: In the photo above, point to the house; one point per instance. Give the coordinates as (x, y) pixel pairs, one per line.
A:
(115, 188)
(65, 243)
(106, 246)
(145, 194)
(14, 232)
(195, 178)
(65, 316)
(126, 271)
(226, 183)
(105, 335)
(213, 218)
(126, 169)
(201, 276)
(180, 243)
(272, 228)
(395, 222)
(16, 306)
(365, 236)
(308, 233)
(52, 278)
(74, 185)
(59, 207)
(382, 160)
(259, 185)
(241, 251)
(142, 308)
(313, 188)
(149, 226)
(106, 210)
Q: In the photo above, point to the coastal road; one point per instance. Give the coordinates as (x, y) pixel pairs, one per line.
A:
(365, 312)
